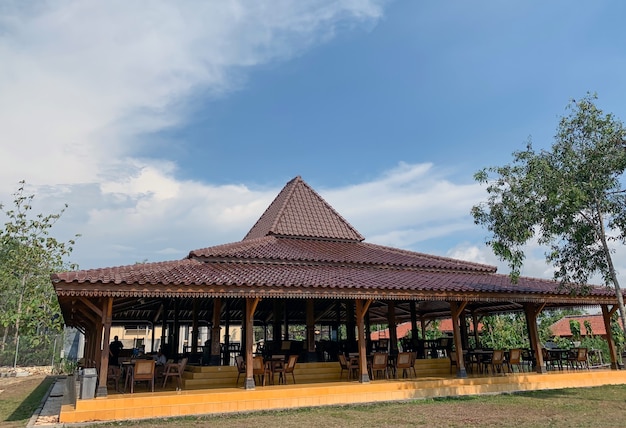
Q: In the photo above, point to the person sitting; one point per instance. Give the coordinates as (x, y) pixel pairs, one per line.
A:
(160, 361)
(160, 358)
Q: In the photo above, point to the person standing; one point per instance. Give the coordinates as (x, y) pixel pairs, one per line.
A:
(114, 351)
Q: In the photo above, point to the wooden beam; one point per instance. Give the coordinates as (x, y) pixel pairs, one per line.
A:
(95, 309)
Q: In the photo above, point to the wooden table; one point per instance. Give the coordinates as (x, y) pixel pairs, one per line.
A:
(273, 363)
(559, 355)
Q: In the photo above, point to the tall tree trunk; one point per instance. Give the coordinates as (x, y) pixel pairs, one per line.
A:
(609, 260)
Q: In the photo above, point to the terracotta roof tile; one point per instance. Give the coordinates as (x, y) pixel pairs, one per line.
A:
(299, 211)
(561, 327)
(301, 243)
(309, 277)
(270, 248)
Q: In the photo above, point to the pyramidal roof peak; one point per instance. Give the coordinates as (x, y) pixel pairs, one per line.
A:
(299, 211)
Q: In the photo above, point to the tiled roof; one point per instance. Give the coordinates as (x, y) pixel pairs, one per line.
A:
(299, 211)
(269, 277)
(561, 327)
(301, 245)
(272, 249)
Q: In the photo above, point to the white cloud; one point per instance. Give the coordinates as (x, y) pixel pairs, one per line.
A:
(408, 205)
(81, 80)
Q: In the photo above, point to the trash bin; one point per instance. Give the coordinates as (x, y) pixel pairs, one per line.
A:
(88, 382)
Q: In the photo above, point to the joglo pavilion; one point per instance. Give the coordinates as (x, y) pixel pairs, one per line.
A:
(303, 264)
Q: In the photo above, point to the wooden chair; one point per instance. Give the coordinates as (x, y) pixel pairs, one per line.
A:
(549, 359)
(379, 364)
(114, 373)
(348, 365)
(143, 370)
(260, 369)
(287, 368)
(453, 363)
(578, 359)
(515, 359)
(497, 361)
(528, 359)
(175, 370)
(241, 367)
(405, 362)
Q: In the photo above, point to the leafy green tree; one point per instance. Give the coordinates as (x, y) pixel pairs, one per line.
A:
(569, 198)
(28, 255)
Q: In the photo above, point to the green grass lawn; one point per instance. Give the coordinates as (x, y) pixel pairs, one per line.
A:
(20, 398)
(581, 407)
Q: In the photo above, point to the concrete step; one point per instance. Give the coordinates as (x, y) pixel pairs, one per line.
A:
(198, 377)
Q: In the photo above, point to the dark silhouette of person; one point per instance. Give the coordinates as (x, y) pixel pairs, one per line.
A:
(114, 351)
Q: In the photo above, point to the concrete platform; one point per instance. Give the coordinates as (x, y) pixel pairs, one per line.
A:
(142, 405)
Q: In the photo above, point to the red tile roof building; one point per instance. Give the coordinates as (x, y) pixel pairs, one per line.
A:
(302, 248)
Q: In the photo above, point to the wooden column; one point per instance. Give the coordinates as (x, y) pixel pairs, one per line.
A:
(368, 333)
(215, 333)
(532, 311)
(226, 353)
(165, 348)
(107, 315)
(606, 315)
(463, 321)
(414, 327)
(176, 335)
(195, 332)
(361, 309)
(277, 333)
(393, 332)
(310, 330)
(251, 304)
(456, 308)
(475, 322)
(350, 327)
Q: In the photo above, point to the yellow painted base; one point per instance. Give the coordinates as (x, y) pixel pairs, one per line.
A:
(236, 399)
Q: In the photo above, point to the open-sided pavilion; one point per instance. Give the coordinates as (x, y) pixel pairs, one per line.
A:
(303, 263)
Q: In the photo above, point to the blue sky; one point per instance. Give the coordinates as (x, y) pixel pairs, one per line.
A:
(170, 126)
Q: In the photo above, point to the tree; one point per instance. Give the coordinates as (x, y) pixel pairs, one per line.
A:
(569, 198)
(28, 255)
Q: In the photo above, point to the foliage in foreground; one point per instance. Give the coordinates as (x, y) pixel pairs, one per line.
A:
(570, 199)
(28, 255)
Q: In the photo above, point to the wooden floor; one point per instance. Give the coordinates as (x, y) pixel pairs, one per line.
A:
(212, 390)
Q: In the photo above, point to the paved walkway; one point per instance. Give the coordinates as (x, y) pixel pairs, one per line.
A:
(48, 412)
